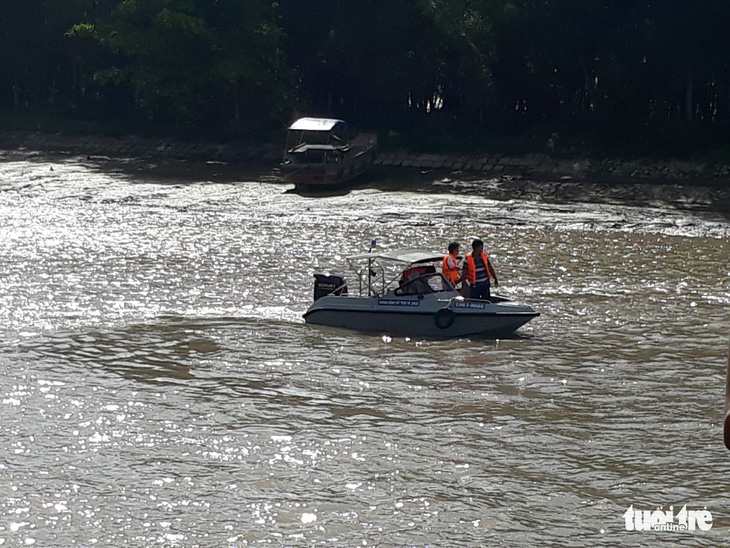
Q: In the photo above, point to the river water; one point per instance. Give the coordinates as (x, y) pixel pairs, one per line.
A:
(158, 386)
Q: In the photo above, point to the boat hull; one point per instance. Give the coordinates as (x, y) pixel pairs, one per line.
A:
(420, 317)
(314, 166)
(322, 175)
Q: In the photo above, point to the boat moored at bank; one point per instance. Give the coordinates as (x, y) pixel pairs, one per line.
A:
(320, 153)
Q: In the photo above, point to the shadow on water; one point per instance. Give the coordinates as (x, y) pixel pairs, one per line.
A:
(370, 179)
(174, 171)
(155, 353)
(389, 336)
(321, 192)
(173, 350)
(153, 169)
(275, 365)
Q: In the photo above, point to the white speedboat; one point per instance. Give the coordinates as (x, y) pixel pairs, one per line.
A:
(417, 301)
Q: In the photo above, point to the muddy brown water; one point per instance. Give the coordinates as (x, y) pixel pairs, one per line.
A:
(158, 385)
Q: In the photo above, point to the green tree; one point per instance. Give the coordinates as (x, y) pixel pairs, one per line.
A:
(395, 64)
(687, 51)
(200, 66)
(469, 32)
(35, 63)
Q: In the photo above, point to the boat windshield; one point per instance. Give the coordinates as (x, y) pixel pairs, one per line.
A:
(375, 280)
(381, 272)
(421, 285)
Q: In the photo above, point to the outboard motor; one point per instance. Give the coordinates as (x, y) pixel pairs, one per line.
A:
(324, 285)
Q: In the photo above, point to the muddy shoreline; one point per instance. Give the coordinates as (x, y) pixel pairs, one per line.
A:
(537, 177)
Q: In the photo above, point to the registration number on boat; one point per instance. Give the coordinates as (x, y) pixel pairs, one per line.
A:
(399, 302)
(479, 306)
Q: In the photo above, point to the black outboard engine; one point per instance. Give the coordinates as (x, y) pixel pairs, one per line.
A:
(324, 285)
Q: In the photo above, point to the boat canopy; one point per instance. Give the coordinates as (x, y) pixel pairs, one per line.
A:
(372, 277)
(411, 256)
(316, 124)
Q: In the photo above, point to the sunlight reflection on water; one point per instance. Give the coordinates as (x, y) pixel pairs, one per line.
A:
(159, 386)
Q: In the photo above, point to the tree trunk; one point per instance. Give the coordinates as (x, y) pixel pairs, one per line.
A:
(236, 107)
(688, 98)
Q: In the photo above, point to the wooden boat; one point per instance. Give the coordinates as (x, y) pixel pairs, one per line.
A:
(319, 153)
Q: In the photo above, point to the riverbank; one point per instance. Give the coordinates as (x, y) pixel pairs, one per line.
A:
(693, 185)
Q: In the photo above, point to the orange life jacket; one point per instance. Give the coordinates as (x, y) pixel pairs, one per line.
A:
(451, 273)
(471, 269)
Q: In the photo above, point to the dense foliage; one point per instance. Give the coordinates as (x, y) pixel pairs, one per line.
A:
(628, 72)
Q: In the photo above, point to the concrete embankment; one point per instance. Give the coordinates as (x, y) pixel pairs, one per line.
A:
(539, 166)
(532, 176)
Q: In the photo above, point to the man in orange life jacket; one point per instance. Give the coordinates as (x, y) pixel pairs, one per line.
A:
(450, 265)
(479, 271)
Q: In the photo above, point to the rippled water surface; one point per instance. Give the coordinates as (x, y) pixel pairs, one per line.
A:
(158, 385)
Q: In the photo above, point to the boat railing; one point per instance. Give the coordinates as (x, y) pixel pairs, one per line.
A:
(370, 277)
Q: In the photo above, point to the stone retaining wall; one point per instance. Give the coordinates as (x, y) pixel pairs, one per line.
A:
(542, 165)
